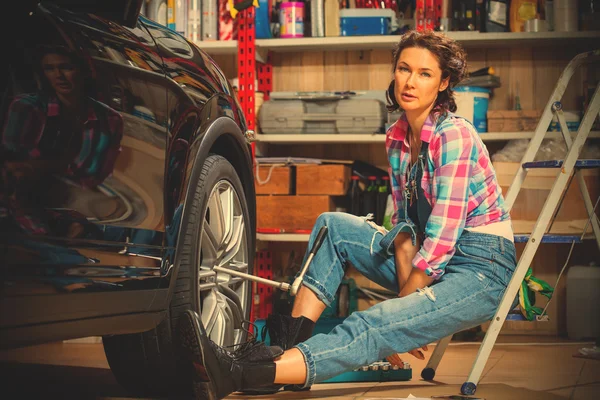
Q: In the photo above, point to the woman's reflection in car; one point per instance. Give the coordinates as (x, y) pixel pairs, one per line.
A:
(59, 134)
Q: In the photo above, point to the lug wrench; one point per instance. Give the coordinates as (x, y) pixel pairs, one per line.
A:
(286, 287)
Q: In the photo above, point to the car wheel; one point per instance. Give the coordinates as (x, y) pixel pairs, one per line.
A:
(218, 234)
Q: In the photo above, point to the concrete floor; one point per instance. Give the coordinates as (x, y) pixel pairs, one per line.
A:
(514, 371)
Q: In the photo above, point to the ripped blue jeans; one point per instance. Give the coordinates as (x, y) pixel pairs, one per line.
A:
(467, 295)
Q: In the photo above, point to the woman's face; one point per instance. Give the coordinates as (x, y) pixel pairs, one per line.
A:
(418, 79)
(61, 73)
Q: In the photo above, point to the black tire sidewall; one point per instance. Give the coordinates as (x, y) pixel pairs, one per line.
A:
(148, 363)
(215, 169)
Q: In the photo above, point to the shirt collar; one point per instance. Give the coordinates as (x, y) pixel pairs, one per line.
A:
(54, 109)
(401, 127)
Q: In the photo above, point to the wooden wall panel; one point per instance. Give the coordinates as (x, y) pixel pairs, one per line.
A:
(476, 59)
(380, 69)
(356, 70)
(500, 60)
(228, 64)
(287, 72)
(373, 153)
(521, 78)
(536, 71)
(312, 72)
(335, 74)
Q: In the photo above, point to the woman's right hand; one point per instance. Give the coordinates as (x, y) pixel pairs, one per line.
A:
(395, 359)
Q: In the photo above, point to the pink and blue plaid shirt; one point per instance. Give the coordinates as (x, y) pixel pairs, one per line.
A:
(25, 130)
(458, 180)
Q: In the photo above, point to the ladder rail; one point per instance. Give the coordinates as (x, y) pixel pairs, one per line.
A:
(544, 122)
(438, 352)
(536, 237)
(587, 200)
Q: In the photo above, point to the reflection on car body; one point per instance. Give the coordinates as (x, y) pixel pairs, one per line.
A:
(125, 177)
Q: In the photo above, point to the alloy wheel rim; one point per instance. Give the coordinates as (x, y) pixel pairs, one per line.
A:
(223, 243)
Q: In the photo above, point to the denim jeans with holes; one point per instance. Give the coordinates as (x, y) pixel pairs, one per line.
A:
(467, 295)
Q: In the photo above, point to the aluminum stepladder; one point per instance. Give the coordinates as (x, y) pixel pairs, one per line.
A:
(568, 167)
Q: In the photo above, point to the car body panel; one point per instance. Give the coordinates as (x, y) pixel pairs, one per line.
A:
(109, 242)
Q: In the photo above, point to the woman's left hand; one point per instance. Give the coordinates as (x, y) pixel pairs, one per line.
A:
(395, 359)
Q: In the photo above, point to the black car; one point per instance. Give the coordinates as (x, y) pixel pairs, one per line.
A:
(126, 176)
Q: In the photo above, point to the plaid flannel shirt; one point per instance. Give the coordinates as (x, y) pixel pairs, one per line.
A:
(102, 133)
(458, 180)
(26, 120)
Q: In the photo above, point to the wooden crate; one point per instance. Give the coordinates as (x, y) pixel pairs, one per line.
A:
(512, 120)
(572, 215)
(329, 179)
(278, 180)
(291, 212)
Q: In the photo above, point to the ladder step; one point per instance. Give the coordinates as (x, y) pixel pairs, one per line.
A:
(550, 239)
(515, 315)
(559, 163)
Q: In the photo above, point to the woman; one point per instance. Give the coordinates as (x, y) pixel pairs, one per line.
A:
(59, 131)
(449, 256)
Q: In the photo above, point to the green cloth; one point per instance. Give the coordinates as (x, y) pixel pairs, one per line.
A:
(529, 287)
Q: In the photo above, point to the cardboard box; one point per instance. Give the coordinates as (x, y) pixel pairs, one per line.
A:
(291, 212)
(329, 179)
(572, 215)
(277, 180)
(512, 120)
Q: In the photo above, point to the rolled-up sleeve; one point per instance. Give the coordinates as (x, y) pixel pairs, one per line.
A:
(454, 154)
(394, 167)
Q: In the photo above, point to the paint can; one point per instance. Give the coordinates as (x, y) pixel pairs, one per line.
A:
(291, 18)
(472, 104)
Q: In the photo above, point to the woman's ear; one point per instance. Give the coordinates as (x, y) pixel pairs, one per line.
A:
(444, 84)
(391, 96)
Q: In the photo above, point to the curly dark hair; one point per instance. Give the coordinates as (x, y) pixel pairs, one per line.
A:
(451, 57)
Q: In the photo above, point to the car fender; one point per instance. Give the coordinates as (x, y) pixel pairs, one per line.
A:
(222, 136)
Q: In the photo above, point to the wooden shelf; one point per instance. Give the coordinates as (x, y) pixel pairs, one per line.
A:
(467, 39)
(218, 46)
(519, 238)
(380, 138)
(282, 237)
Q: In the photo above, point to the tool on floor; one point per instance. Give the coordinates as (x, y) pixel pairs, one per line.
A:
(286, 287)
(569, 168)
(379, 371)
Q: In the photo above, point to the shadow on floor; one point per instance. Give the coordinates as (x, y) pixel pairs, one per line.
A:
(39, 381)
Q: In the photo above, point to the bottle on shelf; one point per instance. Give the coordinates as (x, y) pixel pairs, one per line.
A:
(354, 195)
(370, 197)
(382, 194)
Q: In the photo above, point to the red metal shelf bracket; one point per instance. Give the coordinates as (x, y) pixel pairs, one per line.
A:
(247, 64)
(265, 78)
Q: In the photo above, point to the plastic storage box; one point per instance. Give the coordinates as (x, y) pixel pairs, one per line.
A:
(353, 116)
(583, 302)
(364, 26)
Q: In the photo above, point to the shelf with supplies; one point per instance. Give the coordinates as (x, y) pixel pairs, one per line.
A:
(380, 138)
(282, 237)
(218, 47)
(467, 39)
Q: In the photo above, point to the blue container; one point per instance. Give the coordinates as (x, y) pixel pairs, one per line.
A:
(364, 26)
(262, 26)
(472, 103)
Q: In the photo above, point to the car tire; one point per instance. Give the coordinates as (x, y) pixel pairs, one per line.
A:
(147, 363)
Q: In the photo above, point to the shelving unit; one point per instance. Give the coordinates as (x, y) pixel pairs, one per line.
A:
(380, 138)
(282, 237)
(467, 39)
(301, 237)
